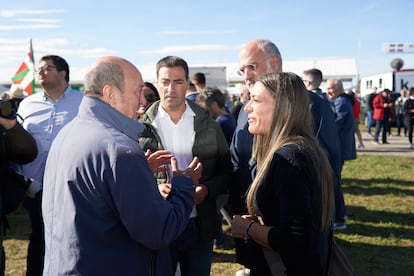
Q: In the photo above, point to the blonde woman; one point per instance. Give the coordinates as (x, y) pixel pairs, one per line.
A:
(291, 198)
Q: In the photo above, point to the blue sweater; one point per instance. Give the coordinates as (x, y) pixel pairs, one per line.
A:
(102, 210)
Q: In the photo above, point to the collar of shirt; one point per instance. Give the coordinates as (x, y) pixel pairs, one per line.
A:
(162, 114)
(47, 98)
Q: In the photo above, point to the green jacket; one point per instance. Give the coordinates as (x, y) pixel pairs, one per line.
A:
(213, 152)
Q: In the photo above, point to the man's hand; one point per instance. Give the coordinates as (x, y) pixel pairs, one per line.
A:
(6, 123)
(201, 193)
(158, 160)
(164, 189)
(193, 170)
(239, 225)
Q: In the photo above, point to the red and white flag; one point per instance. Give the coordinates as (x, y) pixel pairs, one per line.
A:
(25, 75)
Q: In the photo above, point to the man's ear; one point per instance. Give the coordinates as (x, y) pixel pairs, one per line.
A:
(214, 106)
(275, 64)
(108, 93)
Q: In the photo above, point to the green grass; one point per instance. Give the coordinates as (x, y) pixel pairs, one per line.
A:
(379, 195)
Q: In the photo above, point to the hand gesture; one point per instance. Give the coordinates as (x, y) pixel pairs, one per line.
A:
(193, 170)
(158, 160)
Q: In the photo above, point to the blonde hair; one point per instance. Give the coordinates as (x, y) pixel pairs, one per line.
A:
(291, 124)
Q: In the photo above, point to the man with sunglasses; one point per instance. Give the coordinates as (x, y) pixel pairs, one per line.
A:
(43, 115)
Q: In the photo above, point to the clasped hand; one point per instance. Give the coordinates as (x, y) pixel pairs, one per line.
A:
(239, 225)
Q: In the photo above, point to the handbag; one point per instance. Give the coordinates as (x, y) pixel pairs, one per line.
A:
(275, 262)
(338, 262)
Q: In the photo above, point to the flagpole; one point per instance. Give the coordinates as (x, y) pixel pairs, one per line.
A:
(25, 75)
(31, 53)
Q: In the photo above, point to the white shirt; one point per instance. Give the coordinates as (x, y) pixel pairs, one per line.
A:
(177, 138)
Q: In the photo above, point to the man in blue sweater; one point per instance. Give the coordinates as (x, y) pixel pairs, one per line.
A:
(102, 209)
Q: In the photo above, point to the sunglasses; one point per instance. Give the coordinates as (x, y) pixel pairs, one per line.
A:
(150, 97)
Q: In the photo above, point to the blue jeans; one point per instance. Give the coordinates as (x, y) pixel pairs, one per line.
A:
(36, 249)
(369, 121)
(400, 124)
(191, 253)
(381, 124)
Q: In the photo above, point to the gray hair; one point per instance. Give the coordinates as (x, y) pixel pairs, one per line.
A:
(339, 85)
(102, 74)
(270, 50)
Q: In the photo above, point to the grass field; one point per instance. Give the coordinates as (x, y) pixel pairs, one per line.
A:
(379, 194)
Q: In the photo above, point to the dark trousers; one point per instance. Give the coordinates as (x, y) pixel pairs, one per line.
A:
(339, 202)
(36, 250)
(384, 125)
(400, 124)
(410, 125)
(191, 253)
(369, 121)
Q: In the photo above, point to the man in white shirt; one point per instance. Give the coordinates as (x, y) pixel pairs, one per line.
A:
(186, 130)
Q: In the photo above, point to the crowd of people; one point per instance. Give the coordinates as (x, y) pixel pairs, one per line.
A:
(382, 108)
(129, 177)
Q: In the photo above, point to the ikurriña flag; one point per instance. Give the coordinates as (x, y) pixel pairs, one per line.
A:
(25, 75)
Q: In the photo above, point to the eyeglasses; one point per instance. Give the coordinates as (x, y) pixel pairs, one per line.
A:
(45, 68)
(248, 67)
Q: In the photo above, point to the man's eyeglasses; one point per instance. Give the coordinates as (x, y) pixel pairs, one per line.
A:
(45, 68)
(248, 67)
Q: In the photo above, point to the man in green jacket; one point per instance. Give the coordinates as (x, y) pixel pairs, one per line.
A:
(186, 130)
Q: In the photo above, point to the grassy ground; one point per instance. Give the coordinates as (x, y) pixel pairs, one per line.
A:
(379, 194)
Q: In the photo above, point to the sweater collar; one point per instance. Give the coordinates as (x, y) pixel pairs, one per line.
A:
(95, 107)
